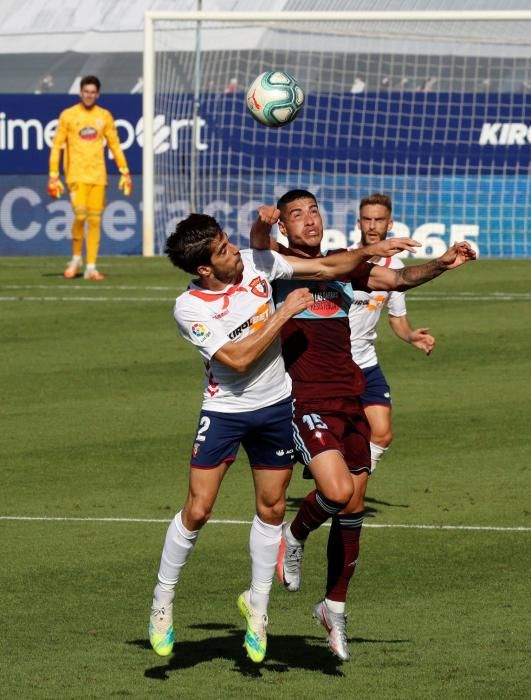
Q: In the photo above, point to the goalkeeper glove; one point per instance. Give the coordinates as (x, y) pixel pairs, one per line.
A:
(55, 186)
(125, 184)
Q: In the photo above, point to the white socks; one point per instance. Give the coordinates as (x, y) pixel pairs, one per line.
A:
(177, 548)
(335, 606)
(264, 543)
(377, 453)
(290, 539)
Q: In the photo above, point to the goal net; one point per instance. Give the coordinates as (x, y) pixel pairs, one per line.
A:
(431, 108)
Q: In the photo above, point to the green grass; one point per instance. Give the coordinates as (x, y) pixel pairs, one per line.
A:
(100, 400)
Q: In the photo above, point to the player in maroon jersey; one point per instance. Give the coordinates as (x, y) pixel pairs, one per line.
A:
(330, 428)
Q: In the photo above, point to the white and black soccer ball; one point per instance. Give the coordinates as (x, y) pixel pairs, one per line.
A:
(274, 98)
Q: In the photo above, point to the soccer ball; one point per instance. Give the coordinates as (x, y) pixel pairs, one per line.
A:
(274, 98)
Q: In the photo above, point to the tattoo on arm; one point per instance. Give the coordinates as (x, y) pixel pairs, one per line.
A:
(415, 275)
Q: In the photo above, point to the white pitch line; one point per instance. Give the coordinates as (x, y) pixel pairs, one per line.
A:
(68, 299)
(412, 295)
(490, 528)
(391, 526)
(478, 297)
(165, 300)
(84, 286)
(460, 297)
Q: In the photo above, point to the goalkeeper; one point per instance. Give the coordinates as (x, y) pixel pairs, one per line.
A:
(83, 131)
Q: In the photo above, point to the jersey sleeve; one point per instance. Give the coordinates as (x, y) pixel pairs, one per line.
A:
(359, 277)
(58, 143)
(272, 264)
(396, 304)
(396, 301)
(198, 328)
(111, 136)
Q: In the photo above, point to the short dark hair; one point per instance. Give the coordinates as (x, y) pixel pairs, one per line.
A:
(292, 195)
(190, 245)
(90, 80)
(378, 198)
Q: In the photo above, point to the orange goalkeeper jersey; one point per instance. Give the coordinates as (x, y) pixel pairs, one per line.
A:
(84, 133)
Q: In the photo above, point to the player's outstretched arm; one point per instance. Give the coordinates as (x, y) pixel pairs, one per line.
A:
(260, 236)
(415, 275)
(241, 355)
(418, 337)
(341, 265)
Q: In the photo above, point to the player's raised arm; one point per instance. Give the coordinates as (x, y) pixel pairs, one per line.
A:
(415, 275)
(343, 264)
(260, 237)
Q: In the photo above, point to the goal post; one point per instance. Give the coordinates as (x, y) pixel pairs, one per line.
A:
(430, 107)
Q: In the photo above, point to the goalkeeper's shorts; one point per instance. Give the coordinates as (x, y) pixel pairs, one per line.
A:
(89, 197)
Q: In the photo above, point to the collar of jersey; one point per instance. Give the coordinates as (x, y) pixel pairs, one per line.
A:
(210, 295)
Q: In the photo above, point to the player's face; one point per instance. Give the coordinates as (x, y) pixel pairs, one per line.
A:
(225, 262)
(374, 222)
(89, 94)
(300, 221)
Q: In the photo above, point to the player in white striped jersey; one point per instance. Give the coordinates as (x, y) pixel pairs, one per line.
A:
(375, 222)
(208, 318)
(228, 314)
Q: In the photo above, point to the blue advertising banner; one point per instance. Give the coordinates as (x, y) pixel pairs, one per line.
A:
(468, 154)
(28, 123)
(33, 224)
(398, 133)
(478, 131)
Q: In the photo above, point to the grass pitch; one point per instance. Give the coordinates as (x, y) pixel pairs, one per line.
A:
(100, 401)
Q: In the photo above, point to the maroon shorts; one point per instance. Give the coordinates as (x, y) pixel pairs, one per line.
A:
(333, 424)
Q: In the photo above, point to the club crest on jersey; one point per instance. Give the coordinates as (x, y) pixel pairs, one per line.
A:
(319, 436)
(201, 332)
(88, 133)
(259, 286)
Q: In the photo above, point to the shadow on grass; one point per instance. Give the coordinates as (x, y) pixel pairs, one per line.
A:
(293, 504)
(285, 653)
(371, 505)
(60, 275)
